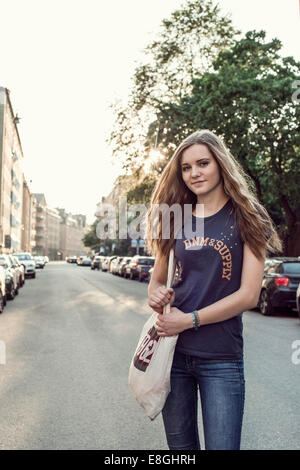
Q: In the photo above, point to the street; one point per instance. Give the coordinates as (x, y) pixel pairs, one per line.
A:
(70, 335)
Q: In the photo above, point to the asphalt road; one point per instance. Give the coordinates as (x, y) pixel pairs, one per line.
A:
(70, 335)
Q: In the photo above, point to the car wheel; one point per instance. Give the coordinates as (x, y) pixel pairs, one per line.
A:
(12, 294)
(131, 275)
(33, 276)
(140, 278)
(264, 304)
(17, 290)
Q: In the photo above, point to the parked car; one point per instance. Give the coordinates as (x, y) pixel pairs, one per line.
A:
(28, 262)
(19, 268)
(95, 264)
(131, 269)
(143, 269)
(105, 265)
(298, 300)
(39, 262)
(80, 259)
(86, 261)
(2, 289)
(122, 265)
(114, 266)
(102, 258)
(11, 277)
(279, 286)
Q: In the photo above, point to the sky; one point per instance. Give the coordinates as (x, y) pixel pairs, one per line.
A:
(66, 61)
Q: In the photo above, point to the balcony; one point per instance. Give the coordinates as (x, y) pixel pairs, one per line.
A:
(40, 218)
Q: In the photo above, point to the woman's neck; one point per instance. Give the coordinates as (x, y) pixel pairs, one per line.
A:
(211, 205)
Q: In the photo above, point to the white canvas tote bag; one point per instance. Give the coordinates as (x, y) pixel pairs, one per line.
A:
(149, 373)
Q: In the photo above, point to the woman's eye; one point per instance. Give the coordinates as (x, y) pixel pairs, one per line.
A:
(201, 164)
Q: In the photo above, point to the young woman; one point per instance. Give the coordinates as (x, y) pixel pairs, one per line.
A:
(220, 272)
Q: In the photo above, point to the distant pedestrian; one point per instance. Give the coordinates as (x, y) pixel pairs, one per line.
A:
(220, 273)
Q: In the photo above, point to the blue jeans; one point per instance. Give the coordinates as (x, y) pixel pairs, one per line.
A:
(222, 390)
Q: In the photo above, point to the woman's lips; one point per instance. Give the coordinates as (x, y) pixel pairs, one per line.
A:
(197, 183)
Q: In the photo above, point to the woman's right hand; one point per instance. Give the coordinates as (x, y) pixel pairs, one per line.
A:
(160, 297)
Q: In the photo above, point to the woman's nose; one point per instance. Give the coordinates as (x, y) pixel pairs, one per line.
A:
(195, 171)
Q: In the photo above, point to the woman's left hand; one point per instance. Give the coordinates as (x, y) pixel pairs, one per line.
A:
(172, 323)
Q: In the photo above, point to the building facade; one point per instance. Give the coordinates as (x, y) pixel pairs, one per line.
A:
(72, 230)
(28, 223)
(52, 242)
(40, 223)
(11, 177)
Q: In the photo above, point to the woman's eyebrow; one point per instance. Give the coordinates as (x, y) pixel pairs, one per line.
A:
(200, 159)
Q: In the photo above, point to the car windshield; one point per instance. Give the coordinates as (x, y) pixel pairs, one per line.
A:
(292, 268)
(23, 257)
(147, 261)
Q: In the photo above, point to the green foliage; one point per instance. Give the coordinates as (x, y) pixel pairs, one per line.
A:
(187, 44)
(247, 99)
(141, 194)
(90, 239)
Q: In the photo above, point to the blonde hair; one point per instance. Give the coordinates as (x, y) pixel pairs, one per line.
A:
(256, 226)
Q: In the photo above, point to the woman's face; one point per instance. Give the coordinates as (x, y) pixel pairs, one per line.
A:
(199, 170)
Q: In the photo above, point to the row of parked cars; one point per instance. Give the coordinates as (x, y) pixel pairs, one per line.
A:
(280, 286)
(14, 268)
(135, 267)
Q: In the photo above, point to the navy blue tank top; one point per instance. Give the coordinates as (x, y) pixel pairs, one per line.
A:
(209, 265)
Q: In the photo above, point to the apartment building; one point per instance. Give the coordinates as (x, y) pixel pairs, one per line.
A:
(72, 230)
(39, 221)
(11, 177)
(28, 231)
(52, 241)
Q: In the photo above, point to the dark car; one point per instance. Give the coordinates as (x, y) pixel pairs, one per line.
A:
(279, 286)
(96, 261)
(298, 300)
(138, 266)
(143, 270)
(122, 265)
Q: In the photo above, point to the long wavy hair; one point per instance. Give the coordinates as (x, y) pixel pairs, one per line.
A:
(256, 226)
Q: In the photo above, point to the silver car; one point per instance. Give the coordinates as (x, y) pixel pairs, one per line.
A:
(11, 277)
(19, 268)
(28, 262)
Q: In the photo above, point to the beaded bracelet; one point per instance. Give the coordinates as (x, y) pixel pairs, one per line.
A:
(195, 321)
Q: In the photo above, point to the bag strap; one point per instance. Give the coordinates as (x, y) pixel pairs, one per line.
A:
(171, 272)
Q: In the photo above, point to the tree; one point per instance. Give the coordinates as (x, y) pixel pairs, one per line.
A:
(247, 99)
(187, 44)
